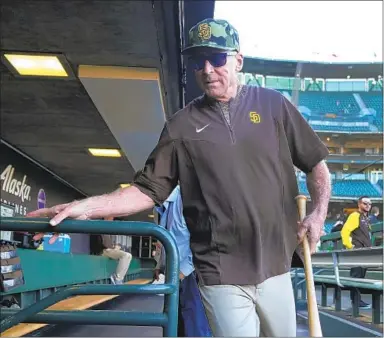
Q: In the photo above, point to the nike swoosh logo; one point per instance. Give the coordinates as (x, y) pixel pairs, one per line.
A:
(201, 129)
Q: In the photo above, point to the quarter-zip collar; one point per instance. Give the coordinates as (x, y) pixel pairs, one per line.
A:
(226, 109)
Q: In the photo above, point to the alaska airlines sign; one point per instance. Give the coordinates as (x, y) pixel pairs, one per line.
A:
(28, 187)
(16, 190)
(12, 185)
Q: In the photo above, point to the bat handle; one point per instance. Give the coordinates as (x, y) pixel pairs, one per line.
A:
(313, 311)
(301, 201)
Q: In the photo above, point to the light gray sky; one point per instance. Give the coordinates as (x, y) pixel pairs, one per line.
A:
(307, 30)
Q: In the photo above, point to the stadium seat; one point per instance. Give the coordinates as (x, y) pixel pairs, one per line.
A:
(340, 103)
(328, 226)
(346, 188)
(374, 100)
(303, 187)
(354, 188)
(339, 128)
(340, 107)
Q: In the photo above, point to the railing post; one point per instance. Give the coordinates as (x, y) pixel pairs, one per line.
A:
(355, 302)
(323, 295)
(376, 307)
(337, 298)
(304, 289)
(295, 286)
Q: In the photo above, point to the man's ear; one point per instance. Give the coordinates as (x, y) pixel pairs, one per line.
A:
(239, 62)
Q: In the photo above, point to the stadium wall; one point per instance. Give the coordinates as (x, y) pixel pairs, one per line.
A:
(28, 187)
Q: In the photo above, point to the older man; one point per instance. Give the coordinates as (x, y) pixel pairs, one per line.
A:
(233, 150)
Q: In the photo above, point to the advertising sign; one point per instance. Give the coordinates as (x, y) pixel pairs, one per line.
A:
(27, 187)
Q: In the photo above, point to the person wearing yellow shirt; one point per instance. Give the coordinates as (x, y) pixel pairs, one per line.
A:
(356, 234)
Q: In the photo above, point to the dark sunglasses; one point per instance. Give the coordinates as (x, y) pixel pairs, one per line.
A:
(215, 59)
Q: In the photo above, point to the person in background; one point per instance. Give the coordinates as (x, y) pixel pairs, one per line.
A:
(159, 274)
(192, 319)
(103, 245)
(356, 234)
(340, 218)
(374, 216)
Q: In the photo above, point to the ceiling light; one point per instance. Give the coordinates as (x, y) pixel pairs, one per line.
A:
(328, 139)
(151, 216)
(37, 65)
(105, 152)
(125, 185)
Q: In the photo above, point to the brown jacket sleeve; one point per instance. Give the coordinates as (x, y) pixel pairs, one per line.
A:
(307, 150)
(160, 174)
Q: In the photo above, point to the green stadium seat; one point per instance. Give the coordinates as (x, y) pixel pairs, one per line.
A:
(346, 188)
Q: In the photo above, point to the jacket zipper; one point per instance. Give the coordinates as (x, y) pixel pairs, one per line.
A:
(231, 133)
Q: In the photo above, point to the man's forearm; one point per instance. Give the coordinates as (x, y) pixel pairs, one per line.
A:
(122, 202)
(319, 187)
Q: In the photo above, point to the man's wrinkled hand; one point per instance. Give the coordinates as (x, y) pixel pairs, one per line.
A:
(58, 213)
(313, 227)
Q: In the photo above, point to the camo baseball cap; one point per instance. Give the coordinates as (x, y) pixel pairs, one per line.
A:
(212, 33)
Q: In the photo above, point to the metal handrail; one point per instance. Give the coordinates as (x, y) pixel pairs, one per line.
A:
(168, 320)
(363, 257)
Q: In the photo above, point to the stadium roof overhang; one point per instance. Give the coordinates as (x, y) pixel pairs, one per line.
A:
(126, 78)
(312, 69)
(126, 65)
(124, 58)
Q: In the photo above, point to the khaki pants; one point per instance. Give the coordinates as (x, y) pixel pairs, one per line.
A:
(267, 309)
(124, 259)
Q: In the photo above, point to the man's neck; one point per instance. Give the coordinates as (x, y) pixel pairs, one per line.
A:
(363, 212)
(232, 92)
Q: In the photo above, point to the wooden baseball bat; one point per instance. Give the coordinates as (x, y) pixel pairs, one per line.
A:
(313, 311)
